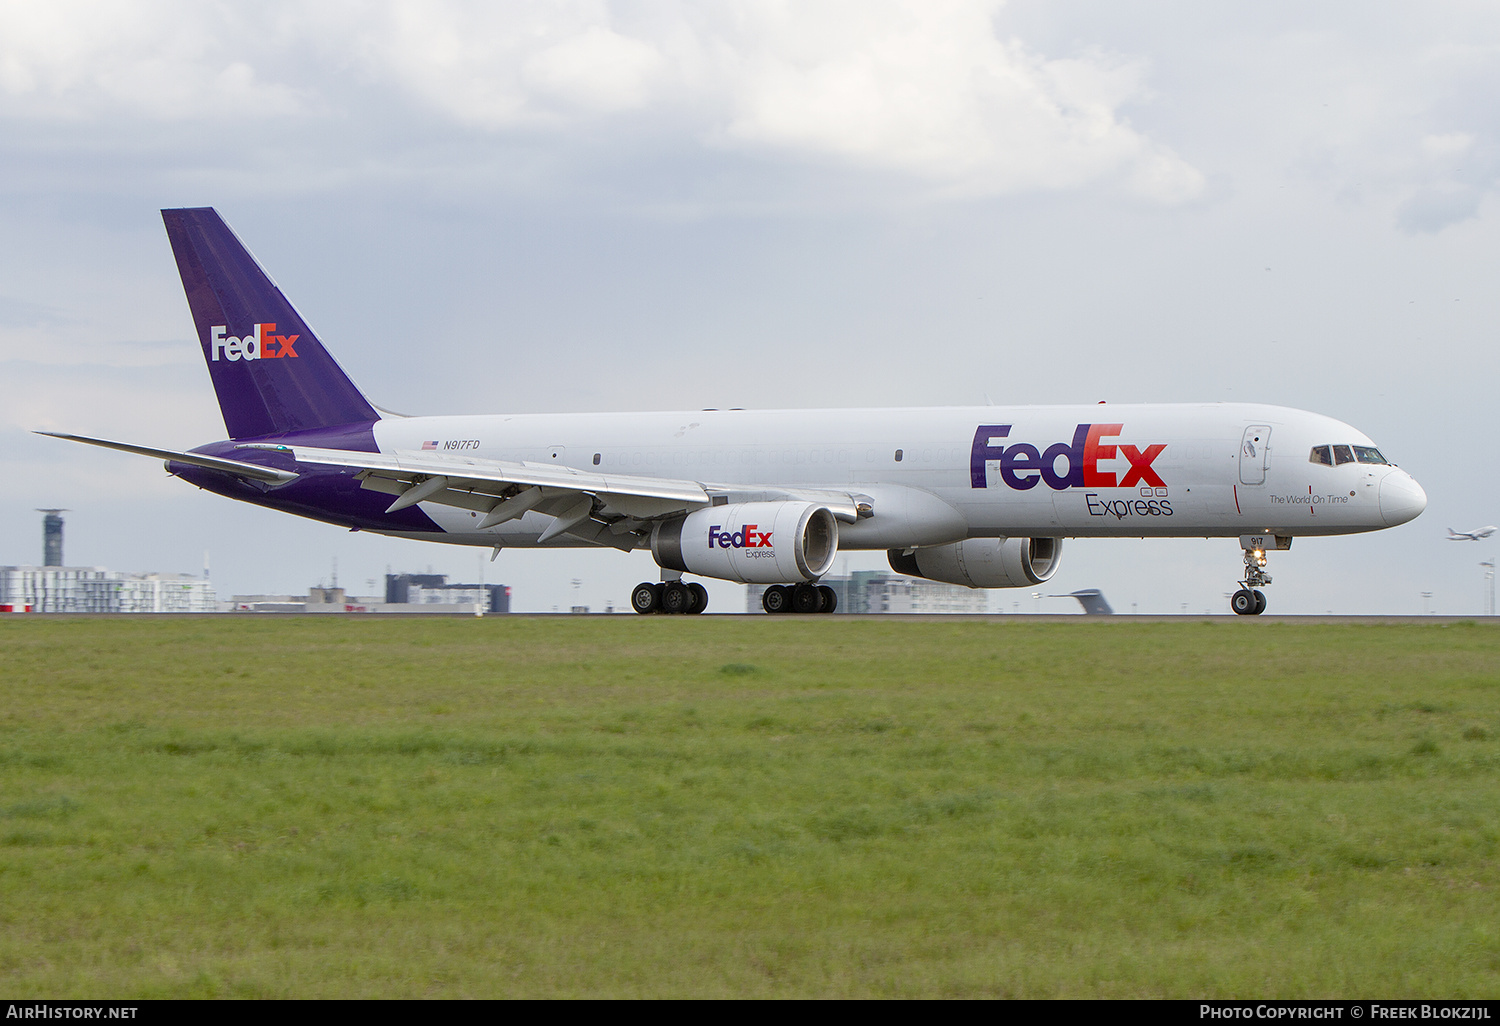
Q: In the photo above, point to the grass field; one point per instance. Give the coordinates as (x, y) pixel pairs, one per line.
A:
(265, 806)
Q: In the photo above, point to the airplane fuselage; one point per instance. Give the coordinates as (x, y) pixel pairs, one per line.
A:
(934, 475)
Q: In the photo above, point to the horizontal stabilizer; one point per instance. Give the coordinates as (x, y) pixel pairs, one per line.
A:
(192, 459)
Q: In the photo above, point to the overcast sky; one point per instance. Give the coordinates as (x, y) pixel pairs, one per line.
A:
(553, 206)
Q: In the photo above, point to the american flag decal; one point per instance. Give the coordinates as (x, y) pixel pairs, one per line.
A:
(428, 446)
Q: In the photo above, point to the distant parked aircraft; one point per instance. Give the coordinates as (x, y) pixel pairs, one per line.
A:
(1092, 600)
(1474, 535)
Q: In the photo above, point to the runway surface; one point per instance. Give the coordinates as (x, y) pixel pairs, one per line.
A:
(1032, 618)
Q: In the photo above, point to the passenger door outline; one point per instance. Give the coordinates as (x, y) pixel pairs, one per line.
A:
(1255, 454)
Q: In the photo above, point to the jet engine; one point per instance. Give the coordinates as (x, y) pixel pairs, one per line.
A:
(982, 562)
(750, 542)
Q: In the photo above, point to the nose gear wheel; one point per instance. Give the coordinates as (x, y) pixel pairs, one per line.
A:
(1250, 600)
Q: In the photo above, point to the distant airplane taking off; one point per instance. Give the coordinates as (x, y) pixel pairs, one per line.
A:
(1474, 535)
(979, 496)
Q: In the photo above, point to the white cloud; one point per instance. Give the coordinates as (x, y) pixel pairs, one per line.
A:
(929, 89)
(596, 70)
(1454, 172)
(1435, 207)
(75, 59)
(925, 90)
(1447, 145)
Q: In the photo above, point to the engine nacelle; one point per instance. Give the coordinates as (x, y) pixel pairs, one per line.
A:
(750, 542)
(982, 562)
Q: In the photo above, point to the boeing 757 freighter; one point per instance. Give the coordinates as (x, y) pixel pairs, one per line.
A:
(979, 496)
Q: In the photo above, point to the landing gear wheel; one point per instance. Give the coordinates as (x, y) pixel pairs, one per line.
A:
(805, 599)
(700, 597)
(1250, 600)
(830, 599)
(646, 598)
(776, 599)
(675, 597)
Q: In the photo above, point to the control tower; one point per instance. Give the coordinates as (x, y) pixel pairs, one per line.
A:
(52, 537)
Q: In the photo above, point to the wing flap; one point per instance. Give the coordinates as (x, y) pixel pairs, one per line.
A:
(470, 476)
(472, 483)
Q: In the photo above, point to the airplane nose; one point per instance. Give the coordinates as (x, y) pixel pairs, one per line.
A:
(1401, 498)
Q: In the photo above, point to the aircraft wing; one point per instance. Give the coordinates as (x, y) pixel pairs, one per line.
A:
(252, 471)
(505, 490)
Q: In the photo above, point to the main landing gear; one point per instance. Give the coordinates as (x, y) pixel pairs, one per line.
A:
(799, 598)
(669, 597)
(1250, 600)
(692, 597)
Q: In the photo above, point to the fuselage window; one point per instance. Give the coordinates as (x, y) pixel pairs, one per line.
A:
(1342, 455)
(1322, 454)
(1369, 454)
(899, 454)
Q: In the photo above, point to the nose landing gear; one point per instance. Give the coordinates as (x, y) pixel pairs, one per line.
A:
(1250, 600)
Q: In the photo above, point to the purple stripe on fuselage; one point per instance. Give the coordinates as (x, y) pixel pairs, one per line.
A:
(330, 494)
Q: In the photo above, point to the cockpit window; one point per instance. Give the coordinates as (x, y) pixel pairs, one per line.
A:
(1338, 455)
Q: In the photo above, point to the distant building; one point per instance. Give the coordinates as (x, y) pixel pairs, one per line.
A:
(93, 589)
(434, 589)
(404, 593)
(54, 588)
(268, 604)
(52, 537)
(317, 600)
(398, 586)
(880, 591)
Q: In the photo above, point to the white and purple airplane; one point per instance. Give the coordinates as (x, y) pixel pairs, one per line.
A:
(977, 496)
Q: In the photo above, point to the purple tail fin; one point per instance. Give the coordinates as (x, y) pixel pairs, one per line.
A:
(271, 373)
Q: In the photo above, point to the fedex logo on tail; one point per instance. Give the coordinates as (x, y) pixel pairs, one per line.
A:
(261, 344)
(1023, 465)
